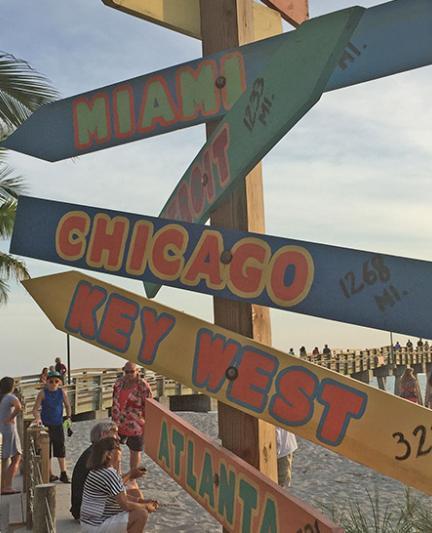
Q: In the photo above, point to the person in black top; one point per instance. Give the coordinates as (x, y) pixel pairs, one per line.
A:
(80, 472)
(326, 350)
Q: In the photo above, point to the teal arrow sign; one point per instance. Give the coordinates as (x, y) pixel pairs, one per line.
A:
(291, 84)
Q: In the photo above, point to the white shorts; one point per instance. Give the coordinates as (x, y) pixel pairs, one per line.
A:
(115, 524)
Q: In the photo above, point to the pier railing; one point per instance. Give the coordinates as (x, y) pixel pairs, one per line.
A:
(40, 495)
(91, 389)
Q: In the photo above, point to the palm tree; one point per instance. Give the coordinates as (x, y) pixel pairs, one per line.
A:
(22, 91)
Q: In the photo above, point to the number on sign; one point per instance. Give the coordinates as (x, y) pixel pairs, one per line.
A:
(421, 450)
(370, 276)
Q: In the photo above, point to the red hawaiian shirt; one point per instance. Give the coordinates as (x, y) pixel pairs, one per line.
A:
(130, 417)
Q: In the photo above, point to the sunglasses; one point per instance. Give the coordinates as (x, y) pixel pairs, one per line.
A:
(129, 371)
(54, 381)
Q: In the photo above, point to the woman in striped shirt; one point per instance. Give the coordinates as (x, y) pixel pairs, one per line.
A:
(106, 508)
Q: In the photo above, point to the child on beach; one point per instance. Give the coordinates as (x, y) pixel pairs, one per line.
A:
(10, 406)
(48, 409)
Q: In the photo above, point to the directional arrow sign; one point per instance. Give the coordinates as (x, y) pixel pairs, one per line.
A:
(184, 15)
(364, 288)
(278, 98)
(294, 12)
(242, 499)
(337, 412)
(390, 38)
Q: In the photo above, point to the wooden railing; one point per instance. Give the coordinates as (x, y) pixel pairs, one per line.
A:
(40, 495)
(91, 389)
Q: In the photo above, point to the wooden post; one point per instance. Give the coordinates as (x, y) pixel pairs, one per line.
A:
(99, 402)
(160, 385)
(76, 397)
(44, 508)
(44, 446)
(227, 24)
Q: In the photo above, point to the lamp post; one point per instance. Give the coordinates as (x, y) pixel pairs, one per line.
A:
(68, 358)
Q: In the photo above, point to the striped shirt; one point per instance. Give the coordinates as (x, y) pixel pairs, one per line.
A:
(99, 502)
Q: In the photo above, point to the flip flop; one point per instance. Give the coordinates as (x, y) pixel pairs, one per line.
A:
(9, 492)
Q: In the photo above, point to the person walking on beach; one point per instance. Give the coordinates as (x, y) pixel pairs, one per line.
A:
(106, 507)
(128, 410)
(409, 387)
(10, 406)
(286, 445)
(48, 409)
(100, 431)
(60, 368)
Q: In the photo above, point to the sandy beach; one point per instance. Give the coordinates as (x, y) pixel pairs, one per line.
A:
(320, 477)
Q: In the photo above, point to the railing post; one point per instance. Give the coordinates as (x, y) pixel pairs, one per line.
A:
(99, 403)
(76, 397)
(44, 508)
(44, 446)
(160, 385)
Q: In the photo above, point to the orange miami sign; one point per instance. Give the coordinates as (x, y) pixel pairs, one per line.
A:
(236, 494)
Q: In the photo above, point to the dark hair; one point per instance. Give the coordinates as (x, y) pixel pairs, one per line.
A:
(98, 457)
(6, 386)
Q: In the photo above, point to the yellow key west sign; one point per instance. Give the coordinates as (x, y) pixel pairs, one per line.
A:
(240, 497)
(370, 426)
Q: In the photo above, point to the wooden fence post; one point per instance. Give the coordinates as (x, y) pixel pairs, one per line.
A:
(44, 446)
(44, 508)
(160, 385)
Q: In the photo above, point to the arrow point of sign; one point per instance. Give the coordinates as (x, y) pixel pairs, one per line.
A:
(55, 300)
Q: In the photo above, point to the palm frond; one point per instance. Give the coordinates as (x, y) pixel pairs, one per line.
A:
(4, 289)
(11, 185)
(22, 90)
(7, 219)
(12, 268)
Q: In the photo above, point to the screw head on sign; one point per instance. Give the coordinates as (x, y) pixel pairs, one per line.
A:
(204, 180)
(220, 82)
(226, 257)
(231, 373)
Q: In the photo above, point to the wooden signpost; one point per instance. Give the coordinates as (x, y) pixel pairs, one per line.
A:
(268, 109)
(184, 17)
(329, 409)
(236, 494)
(188, 94)
(357, 287)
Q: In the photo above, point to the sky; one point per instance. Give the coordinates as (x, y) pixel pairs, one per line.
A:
(355, 171)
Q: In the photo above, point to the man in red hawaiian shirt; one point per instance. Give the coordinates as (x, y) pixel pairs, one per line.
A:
(128, 410)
